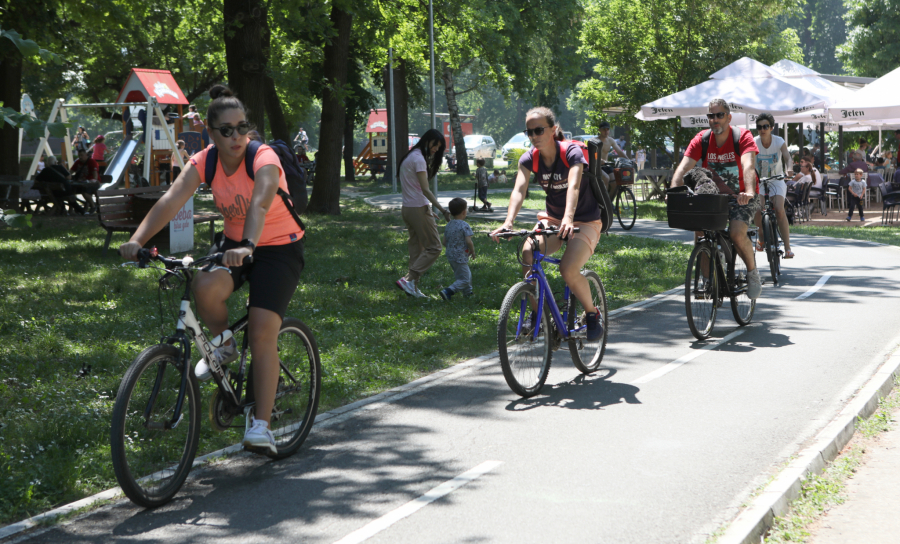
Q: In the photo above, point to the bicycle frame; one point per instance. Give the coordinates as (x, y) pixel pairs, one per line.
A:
(717, 239)
(537, 274)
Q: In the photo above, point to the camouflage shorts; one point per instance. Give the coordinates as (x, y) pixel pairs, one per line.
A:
(747, 212)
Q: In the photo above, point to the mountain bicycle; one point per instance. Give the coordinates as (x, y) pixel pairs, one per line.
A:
(532, 326)
(156, 418)
(771, 238)
(624, 202)
(715, 271)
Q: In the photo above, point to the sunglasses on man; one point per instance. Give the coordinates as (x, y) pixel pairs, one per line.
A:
(227, 130)
(719, 115)
(536, 131)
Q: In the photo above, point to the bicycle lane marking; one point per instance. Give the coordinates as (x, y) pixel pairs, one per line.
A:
(687, 358)
(815, 287)
(385, 521)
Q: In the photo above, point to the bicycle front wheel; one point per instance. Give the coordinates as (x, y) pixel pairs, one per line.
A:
(524, 356)
(152, 456)
(299, 387)
(626, 208)
(770, 242)
(701, 291)
(741, 305)
(587, 354)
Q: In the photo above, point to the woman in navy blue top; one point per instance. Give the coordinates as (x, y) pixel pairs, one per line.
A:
(569, 204)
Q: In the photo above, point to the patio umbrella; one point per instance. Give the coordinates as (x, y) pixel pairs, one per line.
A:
(877, 101)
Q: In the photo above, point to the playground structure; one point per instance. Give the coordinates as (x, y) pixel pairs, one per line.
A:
(373, 157)
(144, 88)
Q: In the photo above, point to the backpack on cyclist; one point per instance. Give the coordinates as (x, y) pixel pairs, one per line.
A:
(591, 154)
(295, 199)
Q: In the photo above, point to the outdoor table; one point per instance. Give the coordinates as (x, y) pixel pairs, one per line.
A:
(7, 184)
(659, 179)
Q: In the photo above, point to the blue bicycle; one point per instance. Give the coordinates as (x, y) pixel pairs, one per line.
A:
(532, 326)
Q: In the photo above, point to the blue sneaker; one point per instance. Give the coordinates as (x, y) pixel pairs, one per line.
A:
(594, 328)
(446, 293)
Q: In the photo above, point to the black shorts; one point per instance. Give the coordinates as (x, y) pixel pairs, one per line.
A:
(273, 275)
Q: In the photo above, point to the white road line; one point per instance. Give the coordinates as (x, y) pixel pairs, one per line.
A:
(686, 358)
(815, 287)
(385, 521)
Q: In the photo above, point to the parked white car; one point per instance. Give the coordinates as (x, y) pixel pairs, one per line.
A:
(478, 146)
(519, 141)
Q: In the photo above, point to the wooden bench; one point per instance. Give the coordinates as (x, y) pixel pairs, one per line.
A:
(122, 210)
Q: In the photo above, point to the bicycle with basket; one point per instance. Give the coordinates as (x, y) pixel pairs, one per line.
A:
(715, 271)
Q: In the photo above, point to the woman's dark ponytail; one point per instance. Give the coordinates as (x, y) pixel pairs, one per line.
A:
(222, 99)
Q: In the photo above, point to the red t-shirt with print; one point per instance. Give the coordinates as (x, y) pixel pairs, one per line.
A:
(723, 161)
(232, 197)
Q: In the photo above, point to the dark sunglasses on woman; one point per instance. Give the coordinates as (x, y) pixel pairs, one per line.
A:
(763, 127)
(227, 130)
(536, 131)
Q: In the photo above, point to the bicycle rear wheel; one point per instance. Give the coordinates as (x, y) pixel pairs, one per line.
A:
(741, 305)
(151, 461)
(587, 354)
(524, 358)
(771, 245)
(701, 291)
(626, 208)
(299, 387)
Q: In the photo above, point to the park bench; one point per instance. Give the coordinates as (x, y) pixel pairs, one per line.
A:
(122, 210)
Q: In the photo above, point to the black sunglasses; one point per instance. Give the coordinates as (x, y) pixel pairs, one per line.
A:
(719, 115)
(536, 131)
(227, 130)
(763, 127)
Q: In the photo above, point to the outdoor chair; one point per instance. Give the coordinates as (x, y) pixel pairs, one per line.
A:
(889, 202)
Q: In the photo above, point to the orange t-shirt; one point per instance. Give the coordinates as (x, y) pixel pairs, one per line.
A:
(232, 197)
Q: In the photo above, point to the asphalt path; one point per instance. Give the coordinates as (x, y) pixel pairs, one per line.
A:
(662, 445)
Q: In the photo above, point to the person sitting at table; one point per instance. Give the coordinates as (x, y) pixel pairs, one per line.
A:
(57, 174)
(857, 161)
(195, 122)
(86, 174)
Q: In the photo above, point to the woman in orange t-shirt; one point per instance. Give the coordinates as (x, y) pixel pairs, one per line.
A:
(256, 223)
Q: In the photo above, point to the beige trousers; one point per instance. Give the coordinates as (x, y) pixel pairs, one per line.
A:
(424, 241)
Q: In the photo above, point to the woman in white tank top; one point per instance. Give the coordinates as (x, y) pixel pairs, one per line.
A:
(772, 151)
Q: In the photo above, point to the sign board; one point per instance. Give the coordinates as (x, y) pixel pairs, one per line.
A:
(181, 229)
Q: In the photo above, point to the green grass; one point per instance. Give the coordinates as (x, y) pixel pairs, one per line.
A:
(652, 209)
(882, 235)
(63, 306)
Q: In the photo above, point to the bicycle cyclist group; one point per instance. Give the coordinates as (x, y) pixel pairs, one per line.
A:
(260, 229)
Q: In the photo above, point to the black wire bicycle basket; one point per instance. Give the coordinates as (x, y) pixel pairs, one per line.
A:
(697, 212)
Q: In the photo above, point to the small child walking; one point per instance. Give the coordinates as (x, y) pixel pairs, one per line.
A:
(458, 241)
(481, 177)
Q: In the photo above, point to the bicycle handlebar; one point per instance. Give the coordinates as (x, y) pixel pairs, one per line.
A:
(146, 255)
(541, 231)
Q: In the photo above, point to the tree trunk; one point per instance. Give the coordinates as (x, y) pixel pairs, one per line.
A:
(462, 158)
(326, 193)
(401, 112)
(280, 130)
(11, 96)
(244, 56)
(349, 170)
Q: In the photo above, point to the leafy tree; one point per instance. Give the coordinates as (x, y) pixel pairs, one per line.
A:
(872, 48)
(667, 46)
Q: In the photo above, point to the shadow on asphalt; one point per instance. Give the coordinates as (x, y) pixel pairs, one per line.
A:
(584, 392)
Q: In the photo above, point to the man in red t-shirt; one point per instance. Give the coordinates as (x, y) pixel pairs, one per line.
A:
(730, 170)
(85, 168)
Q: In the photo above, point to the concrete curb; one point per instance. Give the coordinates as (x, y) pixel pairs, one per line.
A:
(753, 522)
(334, 417)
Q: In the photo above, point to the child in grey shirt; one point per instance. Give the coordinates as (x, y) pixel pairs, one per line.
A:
(857, 194)
(458, 241)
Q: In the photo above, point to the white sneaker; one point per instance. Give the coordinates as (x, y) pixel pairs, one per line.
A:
(408, 287)
(419, 294)
(224, 355)
(754, 285)
(259, 438)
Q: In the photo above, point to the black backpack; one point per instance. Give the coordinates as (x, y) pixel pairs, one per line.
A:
(295, 199)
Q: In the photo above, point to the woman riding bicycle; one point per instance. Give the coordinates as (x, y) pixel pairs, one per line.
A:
(257, 224)
(569, 204)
